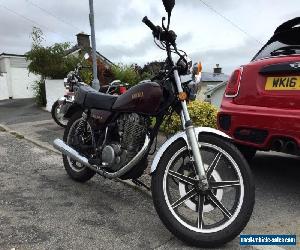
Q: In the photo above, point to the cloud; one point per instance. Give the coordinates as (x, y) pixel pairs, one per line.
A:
(227, 58)
(122, 37)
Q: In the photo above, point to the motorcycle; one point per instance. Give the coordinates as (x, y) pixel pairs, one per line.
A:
(202, 187)
(71, 83)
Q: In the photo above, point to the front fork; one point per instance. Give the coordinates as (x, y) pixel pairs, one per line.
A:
(191, 136)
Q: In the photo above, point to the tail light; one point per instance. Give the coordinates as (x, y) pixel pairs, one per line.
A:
(233, 85)
(122, 90)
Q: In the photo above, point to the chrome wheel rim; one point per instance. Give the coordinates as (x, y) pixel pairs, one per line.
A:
(60, 116)
(204, 206)
(75, 166)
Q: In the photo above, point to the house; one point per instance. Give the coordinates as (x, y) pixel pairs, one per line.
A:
(215, 95)
(55, 88)
(210, 80)
(15, 79)
(103, 64)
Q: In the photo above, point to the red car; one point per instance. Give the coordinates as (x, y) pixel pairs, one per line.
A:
(260, 109)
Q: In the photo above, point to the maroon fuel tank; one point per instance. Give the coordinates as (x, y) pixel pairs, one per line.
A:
(142, 98)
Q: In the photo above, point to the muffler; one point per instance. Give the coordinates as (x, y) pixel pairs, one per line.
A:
(277, 145)
(73, 154)
(290, 147)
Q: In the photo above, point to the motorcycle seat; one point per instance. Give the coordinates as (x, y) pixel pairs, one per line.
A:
(90, 98)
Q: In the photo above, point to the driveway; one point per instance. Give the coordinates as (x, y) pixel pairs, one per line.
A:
(41, 208)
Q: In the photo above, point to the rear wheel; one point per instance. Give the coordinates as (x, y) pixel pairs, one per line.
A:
(204, 218)
(77, 133)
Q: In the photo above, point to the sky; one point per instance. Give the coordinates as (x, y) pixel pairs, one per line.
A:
(224, 32)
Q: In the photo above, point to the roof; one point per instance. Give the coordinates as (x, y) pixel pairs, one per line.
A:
(213, 77)
(77, 48)
(105, 58)
(16, 55)
(215, 88)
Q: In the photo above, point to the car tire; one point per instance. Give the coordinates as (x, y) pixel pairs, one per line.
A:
(247, 151)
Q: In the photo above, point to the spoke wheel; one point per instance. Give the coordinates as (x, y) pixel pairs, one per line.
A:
(204, 217)
(57, 116)
(77, 134)
(206, 202)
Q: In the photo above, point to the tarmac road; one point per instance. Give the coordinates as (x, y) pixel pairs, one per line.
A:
(41, 208)
(21, 110)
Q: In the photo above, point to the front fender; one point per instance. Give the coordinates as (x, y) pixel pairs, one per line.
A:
(182, 135)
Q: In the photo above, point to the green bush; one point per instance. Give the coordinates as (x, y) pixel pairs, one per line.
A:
(126, 74)
(39, 92)
(202, 114)
(51, 62)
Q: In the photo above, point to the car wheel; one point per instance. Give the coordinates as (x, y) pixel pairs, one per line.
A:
(247, 151)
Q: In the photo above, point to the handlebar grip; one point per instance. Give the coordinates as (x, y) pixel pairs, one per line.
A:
(149, 24)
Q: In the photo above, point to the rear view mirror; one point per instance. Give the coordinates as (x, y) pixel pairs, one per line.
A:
(169, 5)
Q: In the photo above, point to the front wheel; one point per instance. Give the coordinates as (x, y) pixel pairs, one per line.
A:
(204, 218)
(57, 116)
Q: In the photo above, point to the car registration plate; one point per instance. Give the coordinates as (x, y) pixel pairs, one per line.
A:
(283, 83)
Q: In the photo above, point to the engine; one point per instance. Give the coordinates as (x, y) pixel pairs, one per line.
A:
(131, 129)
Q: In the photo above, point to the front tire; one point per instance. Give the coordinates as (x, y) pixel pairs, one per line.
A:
(201, 218)
(57, 116)
(75, 170)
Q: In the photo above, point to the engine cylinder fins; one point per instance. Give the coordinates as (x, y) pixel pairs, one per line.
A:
(135, 128)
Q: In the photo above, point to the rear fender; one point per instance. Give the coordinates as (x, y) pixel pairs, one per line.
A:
(182, 136)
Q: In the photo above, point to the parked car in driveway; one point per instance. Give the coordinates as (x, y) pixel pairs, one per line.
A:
(260, 109)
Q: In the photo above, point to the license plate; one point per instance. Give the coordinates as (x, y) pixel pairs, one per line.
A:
(283, 83)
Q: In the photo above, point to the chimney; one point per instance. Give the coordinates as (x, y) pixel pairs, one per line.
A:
(217, 69)
(83, 40)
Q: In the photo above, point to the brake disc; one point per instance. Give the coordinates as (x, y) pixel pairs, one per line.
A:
(191, 203)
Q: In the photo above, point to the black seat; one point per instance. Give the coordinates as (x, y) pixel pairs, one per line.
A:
(90, 98)
(99, 100)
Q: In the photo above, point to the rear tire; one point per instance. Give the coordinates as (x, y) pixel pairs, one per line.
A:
(204, 235)
(80, 174)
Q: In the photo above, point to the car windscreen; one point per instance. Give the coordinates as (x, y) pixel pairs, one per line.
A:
(283, 43)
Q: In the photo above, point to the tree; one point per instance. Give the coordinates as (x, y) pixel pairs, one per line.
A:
(49, 62)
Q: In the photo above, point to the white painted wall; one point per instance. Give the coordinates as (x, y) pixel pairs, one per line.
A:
(22, 82)
(3, 87)
(18, 81)
(201, 92)
(54, 90)
(217, 96)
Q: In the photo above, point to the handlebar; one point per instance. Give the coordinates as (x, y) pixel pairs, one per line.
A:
(158, 32)
(149, 24)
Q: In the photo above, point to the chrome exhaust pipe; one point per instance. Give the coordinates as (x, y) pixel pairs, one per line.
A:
(73, 154)
(68, 151)
(277, 145)
(290, 147)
